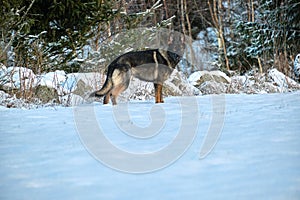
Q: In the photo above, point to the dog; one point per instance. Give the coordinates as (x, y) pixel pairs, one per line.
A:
(153, 65)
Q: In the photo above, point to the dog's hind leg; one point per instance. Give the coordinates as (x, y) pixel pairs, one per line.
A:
(115, 93)
(121, 79)
(158, 93)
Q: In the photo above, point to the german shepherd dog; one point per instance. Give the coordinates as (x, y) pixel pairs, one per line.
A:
(153, 65)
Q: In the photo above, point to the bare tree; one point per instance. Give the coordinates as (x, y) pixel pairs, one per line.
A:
(216, 10)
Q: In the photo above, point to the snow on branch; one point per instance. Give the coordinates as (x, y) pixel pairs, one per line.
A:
(166, 22)
(155, 6)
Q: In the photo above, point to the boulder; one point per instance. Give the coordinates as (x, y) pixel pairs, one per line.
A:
(46, 94)
(178, 85)
(210, 82)
(82, 83)
(282, 81)
(82, 88)
(199, 77)
(213, 87)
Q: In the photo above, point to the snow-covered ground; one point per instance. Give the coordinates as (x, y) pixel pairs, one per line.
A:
(257, 155)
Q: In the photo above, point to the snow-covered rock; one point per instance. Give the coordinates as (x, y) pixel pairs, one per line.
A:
(199, 77)
(73, 85)
(255, 84)
(210, 82)
(179, 85)
(176, 85)
(52, 79)
(3, 95)
(73, 89)
(46, 94)
(78, 86)
(216, 82)
(282, 81)
(213, 87)
(90, 81)
(138, 90)
(3, 70)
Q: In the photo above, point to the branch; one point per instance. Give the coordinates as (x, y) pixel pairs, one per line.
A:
(148, 11)
(19, 30)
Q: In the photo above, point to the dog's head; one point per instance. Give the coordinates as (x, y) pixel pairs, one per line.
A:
(175, 57)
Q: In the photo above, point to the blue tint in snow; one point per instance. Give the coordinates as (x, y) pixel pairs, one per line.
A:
(256, 157)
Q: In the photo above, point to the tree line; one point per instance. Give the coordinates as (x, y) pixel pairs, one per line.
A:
(45, 35)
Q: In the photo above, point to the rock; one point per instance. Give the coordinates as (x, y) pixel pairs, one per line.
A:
(46, 94)
(296, 67)
(3, 70)
(3, 95)
(82, 83)
(178, 85)
(78, 86)
(210, 82)
(52, 80)
(253, 84)
(212, 87)
(199, 77)
(270, 88)
(82, 88)
(242, 84)
(282, 81)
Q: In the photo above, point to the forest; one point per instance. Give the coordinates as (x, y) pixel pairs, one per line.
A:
(73, 35)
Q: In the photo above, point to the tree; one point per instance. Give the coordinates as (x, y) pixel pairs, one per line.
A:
(44, 34)
(61, 27)
(270, 38)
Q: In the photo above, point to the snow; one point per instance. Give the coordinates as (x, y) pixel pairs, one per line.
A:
(53, 79)
(281, 80)
(297, 66)
(15, 77)
(257, 155)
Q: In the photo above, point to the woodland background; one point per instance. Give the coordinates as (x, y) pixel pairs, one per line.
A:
(71, 35)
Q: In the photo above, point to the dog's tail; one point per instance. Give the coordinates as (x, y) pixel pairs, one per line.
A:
(104, 90)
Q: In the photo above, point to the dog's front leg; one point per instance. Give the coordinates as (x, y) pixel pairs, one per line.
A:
(158, 93)
(106, 98)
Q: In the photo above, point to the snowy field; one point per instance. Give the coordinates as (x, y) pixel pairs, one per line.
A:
(257, 155)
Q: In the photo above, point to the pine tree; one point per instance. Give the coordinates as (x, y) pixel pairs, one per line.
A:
(61, 27)
(272, 38)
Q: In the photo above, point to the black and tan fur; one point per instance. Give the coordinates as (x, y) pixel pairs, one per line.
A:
(150, 65)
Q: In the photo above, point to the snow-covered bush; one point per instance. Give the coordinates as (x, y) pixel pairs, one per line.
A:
(17, 78)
